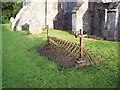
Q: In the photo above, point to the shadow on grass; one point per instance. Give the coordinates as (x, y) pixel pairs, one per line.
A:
(24, 67)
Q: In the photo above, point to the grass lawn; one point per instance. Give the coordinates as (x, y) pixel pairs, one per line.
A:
(23, 67)
(0, 57)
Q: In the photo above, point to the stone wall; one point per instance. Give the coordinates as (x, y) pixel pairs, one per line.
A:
(118, 24)
(104, 19)
(32, 18)
(33, 15)
(64, 17)
(52, 11)
(95, 18)
(82, 17)
(111, 29)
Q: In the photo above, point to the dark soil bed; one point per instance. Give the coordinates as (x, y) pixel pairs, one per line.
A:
(62, 57)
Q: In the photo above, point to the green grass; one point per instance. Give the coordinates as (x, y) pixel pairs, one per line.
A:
(23, 67)
(0, 57)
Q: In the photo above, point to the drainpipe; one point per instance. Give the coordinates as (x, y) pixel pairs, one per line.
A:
(46, 26)
(116, 22)
(45, 14)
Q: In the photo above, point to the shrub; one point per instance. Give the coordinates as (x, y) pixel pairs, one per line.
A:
(9, 9)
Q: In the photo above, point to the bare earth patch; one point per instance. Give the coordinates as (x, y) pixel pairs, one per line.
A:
(64, 58)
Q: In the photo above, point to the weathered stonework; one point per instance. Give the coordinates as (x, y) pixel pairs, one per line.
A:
(82, 17)
(101, 18)
(118, 24)
(32, 16)
(105, 19)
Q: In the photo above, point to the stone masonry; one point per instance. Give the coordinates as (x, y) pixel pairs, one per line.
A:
(101, 18)
(32, 16)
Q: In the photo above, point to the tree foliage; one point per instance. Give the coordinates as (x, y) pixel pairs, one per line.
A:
(9, 9)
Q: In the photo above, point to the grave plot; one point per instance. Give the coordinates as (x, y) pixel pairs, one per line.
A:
(67, 54)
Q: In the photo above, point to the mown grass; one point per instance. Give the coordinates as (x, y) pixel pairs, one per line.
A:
(23, 67)
(0, 57)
